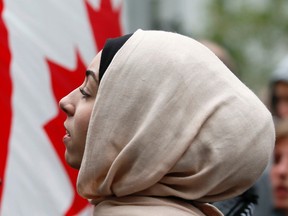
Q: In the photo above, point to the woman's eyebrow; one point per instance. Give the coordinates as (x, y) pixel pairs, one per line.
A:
(91, 73)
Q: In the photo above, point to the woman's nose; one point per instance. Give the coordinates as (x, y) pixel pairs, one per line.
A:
(67, 106)
(282, 168)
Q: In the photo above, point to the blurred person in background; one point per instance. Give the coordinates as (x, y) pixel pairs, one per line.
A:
(279, 170)
(277, 102)
(279, 90)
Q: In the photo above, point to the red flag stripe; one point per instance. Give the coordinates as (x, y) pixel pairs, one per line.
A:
(5, 99)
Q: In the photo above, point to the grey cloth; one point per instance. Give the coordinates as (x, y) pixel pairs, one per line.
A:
(264, 206)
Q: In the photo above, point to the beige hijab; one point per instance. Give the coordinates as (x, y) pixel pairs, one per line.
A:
(170, 124)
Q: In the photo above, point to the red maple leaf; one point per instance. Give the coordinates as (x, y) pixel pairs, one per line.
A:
(105, 23)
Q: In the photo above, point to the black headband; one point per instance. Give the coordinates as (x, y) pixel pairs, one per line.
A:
(111, 47)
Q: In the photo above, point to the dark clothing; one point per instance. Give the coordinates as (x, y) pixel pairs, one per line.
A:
(265, 204)
(276, 213)
(243, 205)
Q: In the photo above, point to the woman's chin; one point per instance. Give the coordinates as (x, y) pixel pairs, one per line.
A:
(72, 162)
(280, 204)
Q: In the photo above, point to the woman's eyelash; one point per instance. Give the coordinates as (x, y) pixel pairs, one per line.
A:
(83, 92)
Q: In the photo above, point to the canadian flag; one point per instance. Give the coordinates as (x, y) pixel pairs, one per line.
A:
(45, 48)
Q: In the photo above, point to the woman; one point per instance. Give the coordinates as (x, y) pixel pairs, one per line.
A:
(279, 90)
(160, 126)
(279, 170)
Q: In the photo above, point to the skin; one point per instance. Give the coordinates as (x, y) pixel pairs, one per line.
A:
(78, 106)
(281, 93)
(279, 174)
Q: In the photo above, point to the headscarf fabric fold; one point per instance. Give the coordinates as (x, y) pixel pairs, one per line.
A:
(171, 120)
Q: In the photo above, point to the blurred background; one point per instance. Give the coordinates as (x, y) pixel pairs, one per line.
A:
(45, 47)
(254, 32)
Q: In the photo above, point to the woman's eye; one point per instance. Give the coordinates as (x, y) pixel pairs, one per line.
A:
(84, 93)
(277, 159)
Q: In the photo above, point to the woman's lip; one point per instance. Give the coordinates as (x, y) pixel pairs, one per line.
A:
(67, 132)
(66, 138)
(65, 126)
(281, 192)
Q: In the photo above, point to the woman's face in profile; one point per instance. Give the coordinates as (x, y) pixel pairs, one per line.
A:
(78, 106)
(279, 174)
